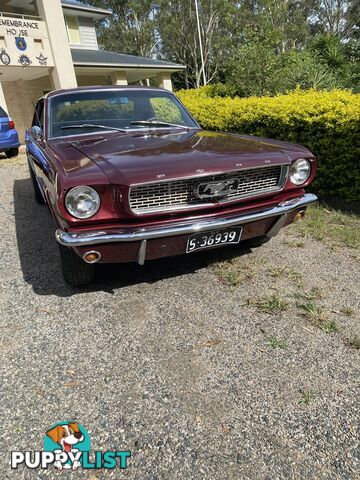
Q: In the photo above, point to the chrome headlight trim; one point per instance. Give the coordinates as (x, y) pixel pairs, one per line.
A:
(82, 202)
(300, 171)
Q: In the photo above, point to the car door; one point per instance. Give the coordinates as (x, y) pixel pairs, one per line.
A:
(37, 153)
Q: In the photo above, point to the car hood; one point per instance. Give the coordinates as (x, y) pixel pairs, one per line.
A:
(146, 156)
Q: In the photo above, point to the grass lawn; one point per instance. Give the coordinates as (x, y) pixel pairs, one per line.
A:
(331, 226)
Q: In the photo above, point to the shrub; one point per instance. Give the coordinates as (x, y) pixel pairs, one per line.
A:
(165, 110)
(222, 90)
(92, 109)
(307, 71)
(325, 122)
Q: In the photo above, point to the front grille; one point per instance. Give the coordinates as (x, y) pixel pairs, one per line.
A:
(177, 194)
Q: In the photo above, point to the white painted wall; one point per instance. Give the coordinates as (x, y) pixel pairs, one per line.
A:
(88, 33)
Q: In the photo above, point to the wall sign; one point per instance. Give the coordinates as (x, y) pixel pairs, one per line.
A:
(25, 43)
(42, 59)
(18, 27)
(21, 43)
(24, 60)
(4, 57)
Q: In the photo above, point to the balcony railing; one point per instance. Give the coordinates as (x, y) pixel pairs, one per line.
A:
(20, 16)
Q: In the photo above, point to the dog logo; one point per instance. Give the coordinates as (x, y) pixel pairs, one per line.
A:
(67, 436)
(72, 438)
(217, 189)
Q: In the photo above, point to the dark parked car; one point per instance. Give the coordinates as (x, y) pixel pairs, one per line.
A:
(129, 176)
(9, 139)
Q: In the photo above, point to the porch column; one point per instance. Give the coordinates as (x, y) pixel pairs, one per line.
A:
(165, 81)
(2, 100)
(119, 78)
(63, 73)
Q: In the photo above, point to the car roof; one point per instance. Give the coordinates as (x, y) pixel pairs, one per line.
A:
(54, 93)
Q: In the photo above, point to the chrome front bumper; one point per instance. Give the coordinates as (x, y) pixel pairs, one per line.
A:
(130, 234)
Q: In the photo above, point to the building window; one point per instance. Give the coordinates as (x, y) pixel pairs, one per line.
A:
(72, 24)
(38, 44)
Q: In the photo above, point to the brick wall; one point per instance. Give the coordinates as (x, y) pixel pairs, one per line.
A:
(20, 96)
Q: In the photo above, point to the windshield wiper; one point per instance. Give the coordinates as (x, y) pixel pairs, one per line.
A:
(161, 124)
(93, 125)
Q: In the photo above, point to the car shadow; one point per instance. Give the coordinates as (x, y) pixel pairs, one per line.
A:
(40, 263)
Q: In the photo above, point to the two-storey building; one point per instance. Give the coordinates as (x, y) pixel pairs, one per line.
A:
(47, 44)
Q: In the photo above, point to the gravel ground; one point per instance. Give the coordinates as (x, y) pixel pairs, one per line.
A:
(175, 365)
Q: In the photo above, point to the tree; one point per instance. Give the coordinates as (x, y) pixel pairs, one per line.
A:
(131, 28)
(257, 46)
(252, 68)
(338, 17)
(343, 59)
(305, 70)
(179, 36)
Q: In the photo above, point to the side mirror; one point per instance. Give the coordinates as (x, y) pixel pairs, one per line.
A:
(37, 133)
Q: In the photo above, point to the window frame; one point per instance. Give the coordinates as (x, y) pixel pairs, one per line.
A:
(76, 18)
(52, 98)
(39, 114)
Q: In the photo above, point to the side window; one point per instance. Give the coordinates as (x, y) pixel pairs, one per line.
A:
(38, 119)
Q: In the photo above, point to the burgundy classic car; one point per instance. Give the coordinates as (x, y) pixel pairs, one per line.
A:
(130, 176)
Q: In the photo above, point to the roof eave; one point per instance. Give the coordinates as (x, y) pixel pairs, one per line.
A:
(128, 65)
(83, 8)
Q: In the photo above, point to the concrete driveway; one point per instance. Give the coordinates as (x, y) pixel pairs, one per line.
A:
(205, 367)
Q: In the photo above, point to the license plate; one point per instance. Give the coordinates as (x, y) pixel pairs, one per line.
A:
(217, 238)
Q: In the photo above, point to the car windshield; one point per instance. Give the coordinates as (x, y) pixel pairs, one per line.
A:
(95, 110)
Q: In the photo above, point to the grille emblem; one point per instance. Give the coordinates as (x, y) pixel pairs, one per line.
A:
(216, 189)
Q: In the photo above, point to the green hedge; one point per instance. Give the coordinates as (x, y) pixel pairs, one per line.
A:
(325, 122)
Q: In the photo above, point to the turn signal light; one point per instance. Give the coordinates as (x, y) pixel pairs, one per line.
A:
(91, 257)
(11, 124)
(299, 216)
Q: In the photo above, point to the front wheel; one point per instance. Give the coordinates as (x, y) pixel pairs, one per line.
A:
(75, 271)
(12, 152)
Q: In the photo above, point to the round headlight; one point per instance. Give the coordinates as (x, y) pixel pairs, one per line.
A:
(300, 171)
(82, 202)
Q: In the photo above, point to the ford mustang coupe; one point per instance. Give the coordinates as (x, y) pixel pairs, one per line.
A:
(129, 176)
